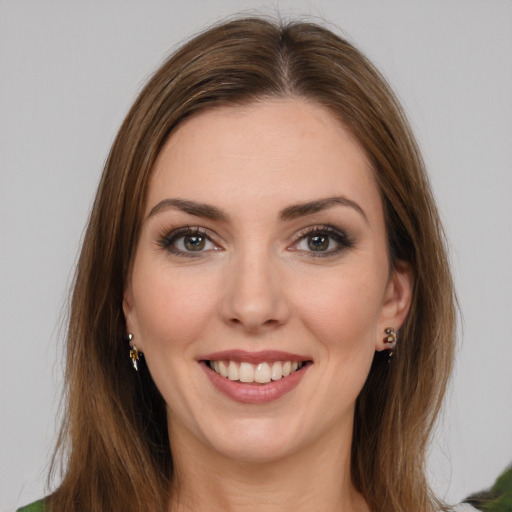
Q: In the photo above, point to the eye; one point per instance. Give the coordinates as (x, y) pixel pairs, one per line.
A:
(321, 241)
(316, 243)
(189, 242)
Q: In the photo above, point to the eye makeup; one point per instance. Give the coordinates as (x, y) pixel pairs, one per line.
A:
(187, 241)
(321, 241)
(317, 241)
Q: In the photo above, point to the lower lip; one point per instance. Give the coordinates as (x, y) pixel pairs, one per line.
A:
(252, 393)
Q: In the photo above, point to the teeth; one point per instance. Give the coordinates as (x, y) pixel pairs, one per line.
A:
(233, 373)
(223, 369)
(261, 373)
(277, 370)
(246, 372)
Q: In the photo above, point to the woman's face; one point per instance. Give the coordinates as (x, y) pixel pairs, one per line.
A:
(262, 257)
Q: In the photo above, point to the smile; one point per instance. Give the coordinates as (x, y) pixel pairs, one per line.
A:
(261, 373)
(255, 377)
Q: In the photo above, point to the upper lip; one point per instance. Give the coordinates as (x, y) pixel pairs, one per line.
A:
(263, 356)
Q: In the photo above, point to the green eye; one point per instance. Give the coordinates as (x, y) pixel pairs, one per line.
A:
(187, 242)
(318, 242)
(194, 242)
(321, 241)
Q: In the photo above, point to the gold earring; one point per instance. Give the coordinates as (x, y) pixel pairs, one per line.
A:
(390, 339)
(134, 353)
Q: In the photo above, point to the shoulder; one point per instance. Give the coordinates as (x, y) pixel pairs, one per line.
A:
(37, 506)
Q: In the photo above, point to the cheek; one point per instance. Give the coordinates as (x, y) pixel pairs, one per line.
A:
(343, 309)
(171, 309)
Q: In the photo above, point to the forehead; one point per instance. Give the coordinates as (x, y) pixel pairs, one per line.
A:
(272, 151)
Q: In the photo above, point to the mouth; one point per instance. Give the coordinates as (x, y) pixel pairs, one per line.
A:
(255, 377)
(260, 373)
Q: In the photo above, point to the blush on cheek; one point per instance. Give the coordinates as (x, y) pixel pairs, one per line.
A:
(342, 322)
(172, 316)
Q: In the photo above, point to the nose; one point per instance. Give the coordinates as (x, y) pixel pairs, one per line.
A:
(254, 295)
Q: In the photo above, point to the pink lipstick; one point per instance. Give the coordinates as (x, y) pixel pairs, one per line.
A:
(255, 377)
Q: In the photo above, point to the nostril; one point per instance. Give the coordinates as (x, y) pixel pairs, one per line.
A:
(254, 326)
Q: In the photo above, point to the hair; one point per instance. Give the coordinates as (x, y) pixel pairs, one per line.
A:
(114, 440)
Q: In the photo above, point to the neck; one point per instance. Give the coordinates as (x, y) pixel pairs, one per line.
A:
(317, 478)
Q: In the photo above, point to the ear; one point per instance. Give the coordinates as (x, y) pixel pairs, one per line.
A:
(130, 316)
(397, 301)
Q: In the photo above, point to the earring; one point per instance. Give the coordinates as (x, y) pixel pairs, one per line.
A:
(390, 339)
(134, 353)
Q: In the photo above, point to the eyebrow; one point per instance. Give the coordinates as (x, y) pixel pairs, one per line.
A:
(290, 212)
(300, 210)
(193, 208)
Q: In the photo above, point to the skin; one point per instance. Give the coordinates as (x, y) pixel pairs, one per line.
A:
(258, 285)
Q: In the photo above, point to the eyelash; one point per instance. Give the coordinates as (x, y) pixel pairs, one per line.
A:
(341, 238)
(168, 239)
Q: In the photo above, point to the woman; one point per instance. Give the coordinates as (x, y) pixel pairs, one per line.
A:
(265, 235)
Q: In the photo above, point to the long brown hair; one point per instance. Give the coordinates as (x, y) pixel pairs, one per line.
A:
(114, 437)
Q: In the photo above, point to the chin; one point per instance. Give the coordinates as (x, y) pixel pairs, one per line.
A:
(243, 438)
(256, 442)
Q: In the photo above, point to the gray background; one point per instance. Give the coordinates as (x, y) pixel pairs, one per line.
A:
(69, 70)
